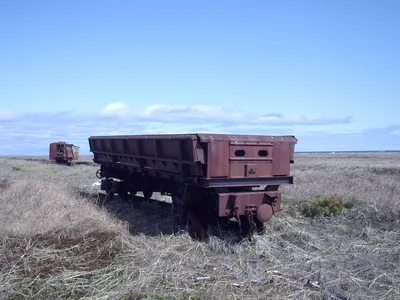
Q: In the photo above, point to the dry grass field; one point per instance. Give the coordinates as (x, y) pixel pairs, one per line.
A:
(57, 242)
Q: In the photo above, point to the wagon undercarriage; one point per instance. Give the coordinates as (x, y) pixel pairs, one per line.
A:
(201, 211)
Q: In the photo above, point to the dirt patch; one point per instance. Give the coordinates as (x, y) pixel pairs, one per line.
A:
(86, 163)
(4, 183)
(386, 171)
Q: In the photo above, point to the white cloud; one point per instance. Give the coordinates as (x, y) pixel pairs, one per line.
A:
(278, 119)
(116, 109)
(5, 115)
(182, 114)
(31, 133)
(212, 115)
(395, 132)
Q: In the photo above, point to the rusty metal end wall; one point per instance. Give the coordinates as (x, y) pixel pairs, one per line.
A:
(61, 151)
(231, 204)
(247, 156)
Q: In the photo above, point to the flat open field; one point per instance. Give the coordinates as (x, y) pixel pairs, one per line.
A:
(57, 242)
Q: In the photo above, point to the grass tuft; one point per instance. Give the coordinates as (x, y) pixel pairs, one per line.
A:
(325, 206)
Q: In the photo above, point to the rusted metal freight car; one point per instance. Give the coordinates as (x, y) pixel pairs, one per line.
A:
(210, 177)
(62, 152)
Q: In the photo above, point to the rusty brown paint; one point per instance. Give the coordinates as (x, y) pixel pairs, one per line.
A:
(61, 152)
(227, 202)
(264, 213)
(220, 171)
(223, 152)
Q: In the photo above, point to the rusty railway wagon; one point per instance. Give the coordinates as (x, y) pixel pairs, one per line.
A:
(211, 178)
(63, 152)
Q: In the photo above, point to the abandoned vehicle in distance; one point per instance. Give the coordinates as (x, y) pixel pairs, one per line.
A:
(211, 178)
(63, 152)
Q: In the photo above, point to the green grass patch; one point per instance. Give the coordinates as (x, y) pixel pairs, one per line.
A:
(325, 206)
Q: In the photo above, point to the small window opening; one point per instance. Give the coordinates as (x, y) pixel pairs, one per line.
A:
(240, 153)
(263, 153)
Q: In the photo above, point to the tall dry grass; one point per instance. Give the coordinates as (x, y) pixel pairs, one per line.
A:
(56, 243)
(372, 180)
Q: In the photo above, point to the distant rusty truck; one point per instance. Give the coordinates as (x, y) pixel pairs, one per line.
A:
(211, 178)
(64, 153)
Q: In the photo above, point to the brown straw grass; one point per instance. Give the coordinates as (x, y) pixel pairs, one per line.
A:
(56, 243)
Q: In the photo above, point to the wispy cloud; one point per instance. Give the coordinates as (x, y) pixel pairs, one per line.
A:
(31, 133)
(117, 109)
(212, 114)
(280, 120)
(371, 139)
(5, 115)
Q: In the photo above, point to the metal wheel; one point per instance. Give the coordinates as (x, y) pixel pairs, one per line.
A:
(123, 194)
(196, 227)
(147, 194)
(179, 212)
(98, 174)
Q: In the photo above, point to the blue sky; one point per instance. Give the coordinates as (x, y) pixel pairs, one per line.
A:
(327, 72)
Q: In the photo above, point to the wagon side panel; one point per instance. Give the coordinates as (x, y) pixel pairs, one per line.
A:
(170, 157)
(52, 151)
